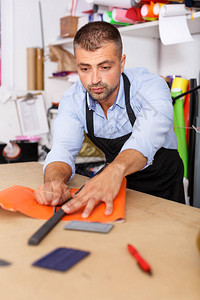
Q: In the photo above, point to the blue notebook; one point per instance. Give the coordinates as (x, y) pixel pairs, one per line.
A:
(61, 259)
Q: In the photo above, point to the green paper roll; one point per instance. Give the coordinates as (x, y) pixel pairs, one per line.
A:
(179, 128)
(107, 17)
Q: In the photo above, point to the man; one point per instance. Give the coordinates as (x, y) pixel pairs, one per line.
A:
(127, 114)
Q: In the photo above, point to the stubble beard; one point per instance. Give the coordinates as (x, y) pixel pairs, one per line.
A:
(104, 94)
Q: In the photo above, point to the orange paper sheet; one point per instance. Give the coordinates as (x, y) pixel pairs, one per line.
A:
(22, 199)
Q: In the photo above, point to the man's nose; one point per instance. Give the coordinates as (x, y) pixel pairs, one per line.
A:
(96, 78)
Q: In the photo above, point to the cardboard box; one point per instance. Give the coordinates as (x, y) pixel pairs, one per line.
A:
(68, 26)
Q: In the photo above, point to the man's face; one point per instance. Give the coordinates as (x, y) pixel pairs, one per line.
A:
(99, 71)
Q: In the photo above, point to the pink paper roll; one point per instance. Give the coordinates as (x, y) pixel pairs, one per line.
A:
(119, 15)
(131, 15)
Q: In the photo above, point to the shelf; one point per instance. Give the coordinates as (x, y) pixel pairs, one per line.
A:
(65, 41)
(151, 29)
(58, 77)
(147, 29)
(69, 78)
(194, 25)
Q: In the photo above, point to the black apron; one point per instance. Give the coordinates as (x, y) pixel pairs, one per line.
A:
(164, 178)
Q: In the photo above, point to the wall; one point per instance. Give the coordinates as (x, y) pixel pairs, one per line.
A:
(141, 52)
(181, 59)
(21, 29)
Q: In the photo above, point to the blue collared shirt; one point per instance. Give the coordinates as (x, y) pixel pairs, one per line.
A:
(151, 102)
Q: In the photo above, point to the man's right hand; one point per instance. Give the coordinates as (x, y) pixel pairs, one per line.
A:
(52, 193)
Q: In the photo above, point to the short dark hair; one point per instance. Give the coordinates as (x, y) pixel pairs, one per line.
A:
(94, 35)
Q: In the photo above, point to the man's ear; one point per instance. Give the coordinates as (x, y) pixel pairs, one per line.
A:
(123, 61)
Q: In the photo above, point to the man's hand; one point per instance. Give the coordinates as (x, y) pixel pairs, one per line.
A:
(52, 193)
(103, 187)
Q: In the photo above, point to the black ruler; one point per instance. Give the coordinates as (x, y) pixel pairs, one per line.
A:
(36, 238)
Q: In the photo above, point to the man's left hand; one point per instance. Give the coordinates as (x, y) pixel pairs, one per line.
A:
(103, 187)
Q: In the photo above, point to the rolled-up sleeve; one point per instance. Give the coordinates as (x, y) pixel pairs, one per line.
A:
(154, 116)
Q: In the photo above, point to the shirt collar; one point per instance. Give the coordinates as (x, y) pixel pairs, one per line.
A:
(91, 102)
(119, 101)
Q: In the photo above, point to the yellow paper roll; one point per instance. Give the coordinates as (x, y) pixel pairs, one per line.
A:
(181, 83)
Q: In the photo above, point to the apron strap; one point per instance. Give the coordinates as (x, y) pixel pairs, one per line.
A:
(129, 110)
(89, 119)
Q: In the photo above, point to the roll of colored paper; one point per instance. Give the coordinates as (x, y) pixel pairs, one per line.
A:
(134, 13)
(187, 116)
(119, 15)
(107, 17)
(171, 78)
(131, 15)
(156, 8)
(194, 99)
(180, 82)
(147, 12)
(115, 3)
(39, 69)
(100, 9)
(141, 2)
(31, 68)
(179, 128)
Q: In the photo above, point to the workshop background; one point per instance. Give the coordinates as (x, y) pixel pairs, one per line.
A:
(37, 66)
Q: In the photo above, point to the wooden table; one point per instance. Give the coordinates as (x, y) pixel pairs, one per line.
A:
(164, 232)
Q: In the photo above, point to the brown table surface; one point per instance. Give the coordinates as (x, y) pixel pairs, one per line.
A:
(164, 232)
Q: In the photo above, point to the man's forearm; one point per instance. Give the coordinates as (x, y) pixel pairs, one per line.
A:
(129, 161)
(57, 171)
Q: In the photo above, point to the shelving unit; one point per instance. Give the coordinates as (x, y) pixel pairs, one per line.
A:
(146, 30)
(194, 24)
(151, 29)
(147, 37)
(60, 42)
(144, 48)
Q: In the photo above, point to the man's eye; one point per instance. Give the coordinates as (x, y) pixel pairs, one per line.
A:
(105, 68)
(84, 69)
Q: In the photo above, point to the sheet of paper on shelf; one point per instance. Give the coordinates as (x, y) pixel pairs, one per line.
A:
(173, 25)
(32, 115)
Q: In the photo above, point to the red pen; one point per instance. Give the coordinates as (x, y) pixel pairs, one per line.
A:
(141, 262)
